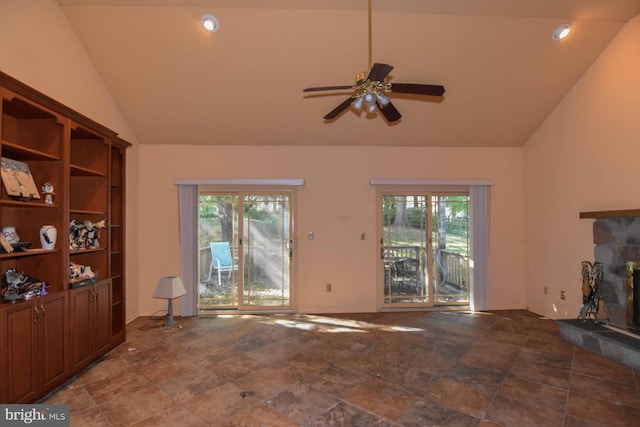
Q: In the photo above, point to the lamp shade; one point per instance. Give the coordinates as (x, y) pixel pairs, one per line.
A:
(170, 287)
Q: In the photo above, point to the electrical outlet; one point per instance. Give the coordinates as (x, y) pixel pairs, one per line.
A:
(328, 287)
(562, 295)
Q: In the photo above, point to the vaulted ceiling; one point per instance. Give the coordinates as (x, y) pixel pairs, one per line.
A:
(242, 85)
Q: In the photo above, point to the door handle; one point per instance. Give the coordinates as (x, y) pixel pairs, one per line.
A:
(36, 315)
(42, 314)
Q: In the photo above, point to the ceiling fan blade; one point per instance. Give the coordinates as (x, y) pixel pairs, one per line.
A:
(379, 72)
(390, 113)
(317, 89)
(339, 109)
(433, 90)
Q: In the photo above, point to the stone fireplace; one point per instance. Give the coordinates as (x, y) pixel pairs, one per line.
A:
(616, 236)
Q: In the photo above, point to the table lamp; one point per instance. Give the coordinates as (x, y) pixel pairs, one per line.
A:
(170, 287)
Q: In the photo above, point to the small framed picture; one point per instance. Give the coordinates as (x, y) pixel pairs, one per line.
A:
(18, 181)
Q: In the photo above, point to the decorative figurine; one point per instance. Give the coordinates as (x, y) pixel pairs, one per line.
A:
(93, 232)
(17, 286)
(12, 280)
(85, 235)
(47, 191)
(79, 271)
(9, 233)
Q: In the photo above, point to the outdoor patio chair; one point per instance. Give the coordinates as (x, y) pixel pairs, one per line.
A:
(221, 261)
(407, 271)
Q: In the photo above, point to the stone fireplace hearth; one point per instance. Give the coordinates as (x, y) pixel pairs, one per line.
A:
(616, 236)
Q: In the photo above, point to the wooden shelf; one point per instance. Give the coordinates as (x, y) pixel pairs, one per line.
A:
(28, 252)
(38, 203)
(628, 213)
(14, 151)
(84, 212)
(82, 171)
(86, 251)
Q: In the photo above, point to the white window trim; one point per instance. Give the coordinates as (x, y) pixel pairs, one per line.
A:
(254, 182)
(385, 181)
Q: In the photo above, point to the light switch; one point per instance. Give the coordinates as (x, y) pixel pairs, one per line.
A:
(311, 235)
(362, 235)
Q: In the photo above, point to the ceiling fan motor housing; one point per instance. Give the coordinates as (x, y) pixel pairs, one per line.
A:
(369, 93)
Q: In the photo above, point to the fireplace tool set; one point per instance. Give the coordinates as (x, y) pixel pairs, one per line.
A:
(592, 299)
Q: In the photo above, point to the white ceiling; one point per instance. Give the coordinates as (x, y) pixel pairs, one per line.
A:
(503, 74)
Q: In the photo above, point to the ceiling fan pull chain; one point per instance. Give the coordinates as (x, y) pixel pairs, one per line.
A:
(370, 44)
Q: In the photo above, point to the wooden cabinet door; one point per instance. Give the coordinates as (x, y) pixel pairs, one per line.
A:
(19, 343)
(102, 317)
(53, 344)
(89, 323)
(80, 317)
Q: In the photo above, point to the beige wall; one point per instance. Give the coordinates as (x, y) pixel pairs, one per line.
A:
(40, 49)
(583, 158)
(336, 203)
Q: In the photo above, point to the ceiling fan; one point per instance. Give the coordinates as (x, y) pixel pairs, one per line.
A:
(371, 91)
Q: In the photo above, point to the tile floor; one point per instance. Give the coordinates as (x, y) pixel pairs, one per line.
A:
(503, 368)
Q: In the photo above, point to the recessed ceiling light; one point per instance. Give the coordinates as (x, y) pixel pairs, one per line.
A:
(210, 23)
(561, 32)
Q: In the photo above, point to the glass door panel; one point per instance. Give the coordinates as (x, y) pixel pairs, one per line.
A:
(218, 247)
(450, 225)
(424, 249)
(267, 250)
(404, 246)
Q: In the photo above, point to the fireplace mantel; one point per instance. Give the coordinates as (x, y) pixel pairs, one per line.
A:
(629, 213)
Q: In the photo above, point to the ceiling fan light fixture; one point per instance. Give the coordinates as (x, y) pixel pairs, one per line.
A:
(561, 32)
(383, 100)
(369, 98)
(371, 108)
(210, 23)
(357, 104)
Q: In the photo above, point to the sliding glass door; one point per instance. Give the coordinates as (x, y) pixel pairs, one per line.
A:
(245, 242)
